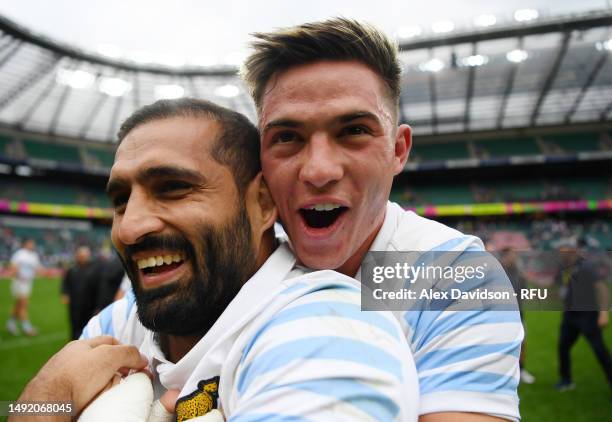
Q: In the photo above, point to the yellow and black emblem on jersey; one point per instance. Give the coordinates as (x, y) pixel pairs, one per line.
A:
(200, 402)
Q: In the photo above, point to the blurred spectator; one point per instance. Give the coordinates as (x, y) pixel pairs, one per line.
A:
(23, 266)
(509, 259)
(80, 290)
(585, 310)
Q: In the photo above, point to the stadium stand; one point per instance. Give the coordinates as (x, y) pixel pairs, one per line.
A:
(51, 151)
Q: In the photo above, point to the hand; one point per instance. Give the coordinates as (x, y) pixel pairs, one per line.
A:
(603, 320)
(81, 370)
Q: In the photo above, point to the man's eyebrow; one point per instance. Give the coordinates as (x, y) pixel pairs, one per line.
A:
(115, 185)
(159, 172)
(170, 172)
(282, 123)
(346, 118)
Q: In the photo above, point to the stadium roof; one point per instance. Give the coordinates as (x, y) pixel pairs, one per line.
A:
(539, 72)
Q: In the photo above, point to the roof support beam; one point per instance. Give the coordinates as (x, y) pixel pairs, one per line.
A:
(508, 90)
(112, 127)
(469, 92)
(587, 84)
(136, 95)
(28, 82)
(15, 48)
(58, 109)
(37, 102)
(550, 78)
(433, 98)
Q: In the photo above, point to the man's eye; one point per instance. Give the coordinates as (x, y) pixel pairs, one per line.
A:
(173, 186)
(119, 201)
(355, 130)
(284, 137)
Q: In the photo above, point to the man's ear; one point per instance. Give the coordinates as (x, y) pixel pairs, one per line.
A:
(260, 206)
(403, 143)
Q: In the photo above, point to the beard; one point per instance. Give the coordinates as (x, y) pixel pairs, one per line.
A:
(221, 262)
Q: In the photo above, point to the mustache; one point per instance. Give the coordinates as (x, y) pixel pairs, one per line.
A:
(158, 241)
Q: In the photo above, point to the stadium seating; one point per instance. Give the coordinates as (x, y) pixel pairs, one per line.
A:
(441, 151)
(4, 141)
(573, 143)
(105, 158)
(52, 193)
(51, 151)
(508, 147)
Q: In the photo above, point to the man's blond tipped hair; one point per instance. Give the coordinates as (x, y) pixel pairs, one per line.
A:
(333, 39)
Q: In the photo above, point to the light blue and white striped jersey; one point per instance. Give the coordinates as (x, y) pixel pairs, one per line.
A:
(467, 361)
(289, 347)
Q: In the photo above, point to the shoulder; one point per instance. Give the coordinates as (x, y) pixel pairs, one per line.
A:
(416, 233)
(118, 320)
(319, 342)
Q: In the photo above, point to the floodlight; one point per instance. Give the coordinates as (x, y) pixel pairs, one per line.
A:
(485, 20)
(433, 65)
(227, 91)
(406, 32)
(78, 79)
(475, 60)
(517, 56)
(525, 15)
(115, 87)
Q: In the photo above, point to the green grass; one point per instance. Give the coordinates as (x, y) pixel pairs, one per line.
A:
(590, 401)
(22, 356)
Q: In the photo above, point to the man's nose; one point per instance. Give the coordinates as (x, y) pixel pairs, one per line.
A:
(322, 163)
(138, 220)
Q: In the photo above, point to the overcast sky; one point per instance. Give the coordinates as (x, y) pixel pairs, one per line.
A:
(215, 29)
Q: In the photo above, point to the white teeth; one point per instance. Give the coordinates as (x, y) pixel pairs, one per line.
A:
(324, 207)
(156, 261)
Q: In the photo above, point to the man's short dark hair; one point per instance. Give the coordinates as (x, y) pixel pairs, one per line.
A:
(237, 147)
(333, 39)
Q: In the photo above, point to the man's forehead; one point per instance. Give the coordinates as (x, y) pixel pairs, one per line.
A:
(170, 139)
(337, 88)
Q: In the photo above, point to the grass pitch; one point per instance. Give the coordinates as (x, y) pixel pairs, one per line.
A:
(21, 357)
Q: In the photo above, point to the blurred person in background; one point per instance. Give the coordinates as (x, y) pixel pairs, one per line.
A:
(585, 303)
(23, 266)
(80, 290)
(509, 259)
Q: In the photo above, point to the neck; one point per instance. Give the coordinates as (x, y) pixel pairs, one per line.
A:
(175, 347)
(352, 264)
(267, 245)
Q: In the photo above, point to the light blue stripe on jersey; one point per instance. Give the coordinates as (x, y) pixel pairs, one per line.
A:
(376, 404)
(442, 357)
(265, 417)
(325, 348)
(485, 382)
(131, 299)
(323, 309)
(106, 321)
(450, 244)
(84, 334)
(426, 327)
(293, 288)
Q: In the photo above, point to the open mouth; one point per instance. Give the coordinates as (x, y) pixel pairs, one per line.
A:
(322, 215)
(160, 264)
